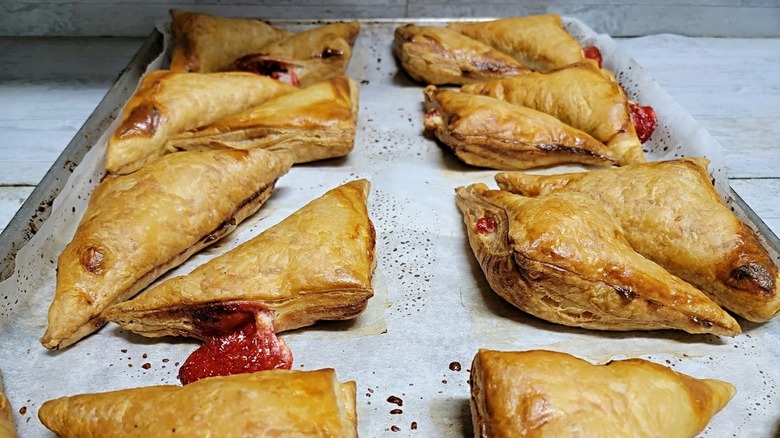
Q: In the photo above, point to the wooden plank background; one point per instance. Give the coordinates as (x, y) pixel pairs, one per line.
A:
(718, 18)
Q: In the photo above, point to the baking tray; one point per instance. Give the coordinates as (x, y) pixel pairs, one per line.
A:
(434, 306)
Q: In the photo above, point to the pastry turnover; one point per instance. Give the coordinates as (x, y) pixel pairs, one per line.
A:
(139, 226)
(538, 42)
(539, 393)
(264, 404)
(205, 43)
(167, 103)
(314, 123)
(437, 55)
(562, 258)
(487, 132)
(315, 265)
(304, 58)
(7, 429)
(671, 214)
(580, 96)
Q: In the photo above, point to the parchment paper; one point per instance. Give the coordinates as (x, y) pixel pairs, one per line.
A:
(433, 308)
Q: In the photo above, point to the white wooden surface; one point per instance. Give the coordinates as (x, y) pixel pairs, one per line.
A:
(721, 18)
(48, 87)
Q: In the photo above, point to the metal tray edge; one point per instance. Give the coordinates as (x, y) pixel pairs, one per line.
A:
(37, 208)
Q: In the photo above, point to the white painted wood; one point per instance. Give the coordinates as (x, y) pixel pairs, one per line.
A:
(746, 18)
(11, 198)
(731, 86)
(762, 196)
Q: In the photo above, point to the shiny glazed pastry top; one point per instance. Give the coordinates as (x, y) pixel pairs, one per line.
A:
(438, 55)
(204, 43)
(317, 264)
(581, 96)
(265, 404)
(538, 42)
(138, 226)
(564, 259)
(310, 124)
(167, 103)
(487, 132)
(670, 213)
(538, 394)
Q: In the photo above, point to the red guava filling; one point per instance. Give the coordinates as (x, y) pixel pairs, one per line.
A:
(238, 338)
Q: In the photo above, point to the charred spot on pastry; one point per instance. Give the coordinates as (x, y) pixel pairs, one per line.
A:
(142, 122)
(331, 53)
(755, 274)
(625, 292)
(221, 230)
(702, 322)
(93, 259)
(217, 318)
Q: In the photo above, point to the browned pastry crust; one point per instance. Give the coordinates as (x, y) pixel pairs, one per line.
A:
(315, 265)
(206, 43)
(314, 55)
(671, 213)
(167, 103)
(7, 429)
(487, 132)
(562, 258)
(438, 55)
(539, 393)
(581, 96)
(264, 404)
(538, 42)
(312, 124)
(139, 226)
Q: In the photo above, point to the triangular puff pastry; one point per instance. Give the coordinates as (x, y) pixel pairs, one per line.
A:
(263, 404)
(139, 226)
(304, 58)
(581, 96)
(315, 265)
(541, 393)
(205, 43)
(167, 103)
(438, 55)
(671, 214)
(487, 132)
(312, 124)
(538, 42)
(562, 258)
(7, 429)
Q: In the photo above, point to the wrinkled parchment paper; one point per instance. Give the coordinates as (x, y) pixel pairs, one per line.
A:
(432, 309)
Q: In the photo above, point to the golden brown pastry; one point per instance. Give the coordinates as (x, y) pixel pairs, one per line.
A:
(139, 226)
(167, 103)
(539, 393)
(671, 214)
(538, 42)
(264, 404)
(304, 58)
(312, 124)
(438, 55)
(205, 43)
(7, 429)
(580, 96)
(562, 258)
(487, 132)
(316, 264)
